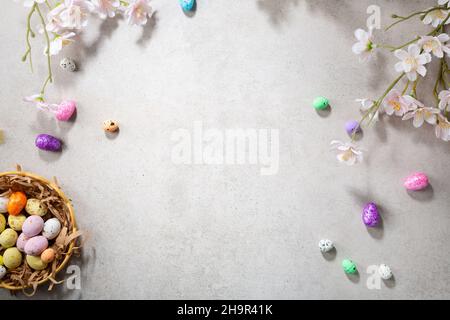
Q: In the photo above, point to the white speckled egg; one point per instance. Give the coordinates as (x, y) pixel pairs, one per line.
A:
(52, 227)
(4, 204)
(3, 272)
(68, 64)
(385, 272)
(326, 245)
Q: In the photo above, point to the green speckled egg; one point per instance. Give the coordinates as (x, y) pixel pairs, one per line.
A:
(16, 222)
(36, 207)
(8, 238)
(12, 258)
(36, 263)
(320, 103)
(2, 222)
(349, 266)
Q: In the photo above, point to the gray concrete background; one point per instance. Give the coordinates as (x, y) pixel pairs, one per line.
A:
(157, 230)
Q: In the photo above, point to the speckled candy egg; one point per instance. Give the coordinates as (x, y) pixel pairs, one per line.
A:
(321, 103)
(4, 204)
(36, 207)
(2, 222)
(417, 181)
(12, 258)
(48, 255)
(3, 272)
(65, 110)
(187, 5)
(16, 203)
(22, 242)
(36, 263)
(48, 142)
(36, 245)
(110, 126)
(67, 64)
(370, 215)
(52, 227)
(349, 266)
(16, 222)
(352, 127)
(385, 272)
(326, 245)
(8, 238)
(32, 226)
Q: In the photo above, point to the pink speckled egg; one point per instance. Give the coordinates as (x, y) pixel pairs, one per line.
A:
(21, 242)
(65, 110)
(36, 245)
(32, 226)
(416, 181)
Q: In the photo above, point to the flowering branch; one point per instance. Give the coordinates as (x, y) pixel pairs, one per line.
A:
(62, 21)
(29, 33)
(47, 51)
(412, 66)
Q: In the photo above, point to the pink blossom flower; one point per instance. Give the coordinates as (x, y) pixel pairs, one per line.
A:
(75, 14)
(442, 128)
(138, 11)
(395, 103)
(419, 113)
(106, 8)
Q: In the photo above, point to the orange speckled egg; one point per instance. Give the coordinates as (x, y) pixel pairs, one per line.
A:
(48, 255)
(17, 201)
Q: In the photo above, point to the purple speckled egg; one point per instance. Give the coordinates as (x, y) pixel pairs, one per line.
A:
(416, 181)
(32, 226)
(65, 110)
(352, 126)
(370, 215)
(48, 142)
(36, 245)
(22, 241)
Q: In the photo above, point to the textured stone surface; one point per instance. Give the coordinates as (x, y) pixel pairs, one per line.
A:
(158, 230)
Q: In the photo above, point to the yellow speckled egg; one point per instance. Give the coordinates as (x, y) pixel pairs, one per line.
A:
(36, 263)
(16, 222)
(36, 207)
(8, 238)
(48, 255)
(2, 222)
(12, 258)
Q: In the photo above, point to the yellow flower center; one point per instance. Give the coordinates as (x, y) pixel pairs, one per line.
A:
(395, 105)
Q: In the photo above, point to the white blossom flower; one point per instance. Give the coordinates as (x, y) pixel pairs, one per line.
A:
(105, 8)
(394, 103)
(435, 44)
(419, 113)
(59, 42)
(366, 104)
(444, 99)
(37, 99)
(412, 62)
(442, 2)
(75, 14)
(442, 128)
(29, 3)
(54, 22)
(365, 46)
(348, 152)
(138, 11)
(436, 17)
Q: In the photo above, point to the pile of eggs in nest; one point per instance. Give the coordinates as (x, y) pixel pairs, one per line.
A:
(24, 231)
